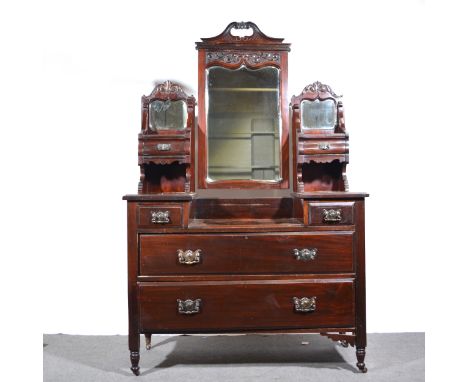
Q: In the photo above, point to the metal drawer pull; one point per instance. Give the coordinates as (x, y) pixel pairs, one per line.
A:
(305, 254)
(324, 146)
(189, 306)
(189, 257)
(160, 217)
(331, 216)
(163, 147)
(304, 304)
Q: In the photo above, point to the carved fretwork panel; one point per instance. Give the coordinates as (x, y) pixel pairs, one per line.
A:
(251, 59)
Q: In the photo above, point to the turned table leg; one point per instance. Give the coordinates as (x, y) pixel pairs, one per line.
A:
(135, 359)
(360, 354)
(148, 341)
(134, 347)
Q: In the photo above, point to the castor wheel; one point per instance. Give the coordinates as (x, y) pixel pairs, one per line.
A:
(360, 354)
(362, 367)
(148, 341)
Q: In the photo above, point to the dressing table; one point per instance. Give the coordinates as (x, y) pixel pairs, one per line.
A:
(251, 247)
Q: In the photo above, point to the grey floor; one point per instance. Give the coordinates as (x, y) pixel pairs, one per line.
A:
(390, 357)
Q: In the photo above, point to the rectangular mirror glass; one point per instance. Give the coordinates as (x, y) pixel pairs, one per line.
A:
(167, 115)
(318, 114)
(243, 124)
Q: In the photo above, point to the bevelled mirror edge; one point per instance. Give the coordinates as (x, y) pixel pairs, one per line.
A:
(243, 121)
(318, 114)
(167, 115)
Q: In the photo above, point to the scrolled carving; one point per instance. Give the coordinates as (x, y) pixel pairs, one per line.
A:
(250, 58)
(167, 90)
(318, 87)
(343, 338)
(169, 87)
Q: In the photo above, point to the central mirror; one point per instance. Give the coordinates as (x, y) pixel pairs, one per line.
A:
(243, 123)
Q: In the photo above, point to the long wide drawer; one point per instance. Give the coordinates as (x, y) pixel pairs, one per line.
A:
(214, 306)
(323, 252)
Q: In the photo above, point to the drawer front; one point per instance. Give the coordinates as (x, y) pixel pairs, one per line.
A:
(212, 306)
(246, 253)
(166, 147)
(312, 147)
(333, 213)
(160, 216)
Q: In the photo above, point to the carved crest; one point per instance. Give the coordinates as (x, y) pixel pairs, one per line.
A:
(257, 34)
(167, 90)
(318, 87)
(169, 87)
(320, 91)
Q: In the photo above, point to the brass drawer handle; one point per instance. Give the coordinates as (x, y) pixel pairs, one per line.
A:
(324, 146)
(304, 304)
(163, 147)
(305, 254)
(189, 306)
(189, 257)
(331, 216)
(160, 217)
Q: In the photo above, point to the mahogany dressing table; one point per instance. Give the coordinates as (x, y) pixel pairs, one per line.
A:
(290, 258)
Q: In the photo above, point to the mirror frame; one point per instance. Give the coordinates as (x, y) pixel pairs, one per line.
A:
(163, 92)
(231, 52)
(317, 92)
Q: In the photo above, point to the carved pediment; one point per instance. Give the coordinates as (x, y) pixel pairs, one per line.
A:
(226, 38)
(164, 91)
(318, 87)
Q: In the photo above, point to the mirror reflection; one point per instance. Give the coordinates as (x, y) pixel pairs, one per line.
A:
(167, 115)
(243, 123)
(318, 114)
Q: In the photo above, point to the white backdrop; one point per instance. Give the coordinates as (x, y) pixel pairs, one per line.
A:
(72, 77)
